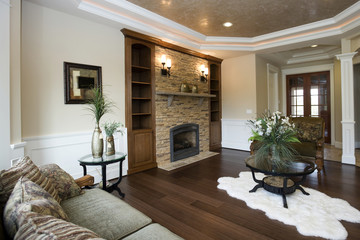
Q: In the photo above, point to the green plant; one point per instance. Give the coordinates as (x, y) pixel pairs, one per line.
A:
(99, 104)
(273, 135)
(110, 127)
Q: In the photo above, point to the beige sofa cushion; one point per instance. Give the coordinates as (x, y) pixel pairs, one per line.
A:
(27, 196)
(36, 226)
(108, 216)
(25, 167)
(63, 182)
(153, 232)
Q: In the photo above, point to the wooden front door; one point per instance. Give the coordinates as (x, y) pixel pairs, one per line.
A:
(308, 94)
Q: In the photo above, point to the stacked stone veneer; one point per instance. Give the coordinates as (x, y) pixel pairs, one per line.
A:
(185, 68)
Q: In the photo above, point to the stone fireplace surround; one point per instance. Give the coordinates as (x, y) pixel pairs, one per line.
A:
(183, 110)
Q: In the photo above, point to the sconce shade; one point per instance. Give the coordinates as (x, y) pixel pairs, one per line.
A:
(168, 63)
(206, 71)
(163, 59)
(202, 68)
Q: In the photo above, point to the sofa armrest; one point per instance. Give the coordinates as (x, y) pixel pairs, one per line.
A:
(84, 181)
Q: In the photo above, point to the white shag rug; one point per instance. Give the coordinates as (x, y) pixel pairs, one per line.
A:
(314, 215)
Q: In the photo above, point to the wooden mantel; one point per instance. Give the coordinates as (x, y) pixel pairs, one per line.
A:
(171, 95)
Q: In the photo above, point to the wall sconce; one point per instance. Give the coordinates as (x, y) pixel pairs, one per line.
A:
(165, 71)
(204, 71)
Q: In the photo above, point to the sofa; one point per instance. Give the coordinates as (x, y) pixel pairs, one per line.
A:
(311, 133)
(46, 203)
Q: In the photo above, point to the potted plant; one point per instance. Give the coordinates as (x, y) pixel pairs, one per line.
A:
(110, 128)
(98, 105)
(273, 135)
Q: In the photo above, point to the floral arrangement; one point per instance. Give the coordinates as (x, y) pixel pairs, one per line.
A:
(273, 135)
(110, 127)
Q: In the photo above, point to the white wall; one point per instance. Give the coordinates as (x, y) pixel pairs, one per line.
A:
(56, 132)
(5, 84)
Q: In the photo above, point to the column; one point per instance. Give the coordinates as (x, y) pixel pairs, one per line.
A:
(347, 103)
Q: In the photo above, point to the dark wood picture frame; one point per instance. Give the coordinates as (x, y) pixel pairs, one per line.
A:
(78, 81)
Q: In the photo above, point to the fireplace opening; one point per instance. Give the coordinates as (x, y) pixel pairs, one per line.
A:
(184, 141)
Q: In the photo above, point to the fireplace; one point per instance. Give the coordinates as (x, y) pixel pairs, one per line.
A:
(184, 141)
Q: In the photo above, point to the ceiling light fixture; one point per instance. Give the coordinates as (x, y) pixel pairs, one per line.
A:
(227, 24)
(314, 45)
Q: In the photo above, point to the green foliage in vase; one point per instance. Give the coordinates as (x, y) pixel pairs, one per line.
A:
(273, 135)
(99, 105)
(111, 127)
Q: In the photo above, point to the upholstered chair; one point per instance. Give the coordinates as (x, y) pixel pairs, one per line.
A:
(311, 133)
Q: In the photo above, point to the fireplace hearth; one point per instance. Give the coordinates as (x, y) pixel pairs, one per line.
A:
(184, 141)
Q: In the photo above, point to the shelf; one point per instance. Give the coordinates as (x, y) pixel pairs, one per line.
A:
(172, 94)
(141, 114)
(140, 68)
(141, 98)
(136, 82)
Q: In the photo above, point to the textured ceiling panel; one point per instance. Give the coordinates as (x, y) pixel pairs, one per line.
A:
(250, 18)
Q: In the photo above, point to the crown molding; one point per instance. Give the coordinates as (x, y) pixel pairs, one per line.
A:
(142, 20)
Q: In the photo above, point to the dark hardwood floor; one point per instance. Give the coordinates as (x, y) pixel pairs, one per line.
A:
(188, 202)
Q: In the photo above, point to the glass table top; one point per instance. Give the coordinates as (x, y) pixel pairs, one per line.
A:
(300, 166)
(90, 160)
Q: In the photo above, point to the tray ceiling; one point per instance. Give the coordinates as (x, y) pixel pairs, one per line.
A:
(250, 18)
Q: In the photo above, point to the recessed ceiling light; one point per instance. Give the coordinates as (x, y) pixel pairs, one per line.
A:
(227, 24)
(314, 45)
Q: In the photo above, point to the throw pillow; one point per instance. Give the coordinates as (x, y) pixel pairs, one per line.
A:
(63, 182)
(27, 196)
(36, 226)
(25, 167)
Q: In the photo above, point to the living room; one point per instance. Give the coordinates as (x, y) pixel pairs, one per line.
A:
(43, 37)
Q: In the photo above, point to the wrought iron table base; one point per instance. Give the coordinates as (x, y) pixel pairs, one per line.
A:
(112, 187)
(279, 190)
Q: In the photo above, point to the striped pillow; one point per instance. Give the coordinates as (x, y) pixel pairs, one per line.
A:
(36, 226)
(25, 167)
(28, 196)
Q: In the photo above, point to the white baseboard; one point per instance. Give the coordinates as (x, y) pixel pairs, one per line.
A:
(65, 150)
(235, 134)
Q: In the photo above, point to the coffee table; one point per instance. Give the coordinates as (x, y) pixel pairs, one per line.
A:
(282, 181)
(89, 160)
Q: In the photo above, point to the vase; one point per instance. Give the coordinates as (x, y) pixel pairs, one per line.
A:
(97, 144)
(110, 146)
(195, 89)
(184, 87)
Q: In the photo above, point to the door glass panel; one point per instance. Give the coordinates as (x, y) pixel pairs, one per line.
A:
(308, 95)
(314, 111)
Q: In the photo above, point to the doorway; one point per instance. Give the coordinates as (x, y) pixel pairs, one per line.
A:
(308, 94)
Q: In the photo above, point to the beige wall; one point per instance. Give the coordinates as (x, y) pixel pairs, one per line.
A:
(238, 76)
(355, 43)
(48, 39)
(337, 96)
(261, 86)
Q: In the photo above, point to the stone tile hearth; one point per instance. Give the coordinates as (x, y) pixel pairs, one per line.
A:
(184, 162)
